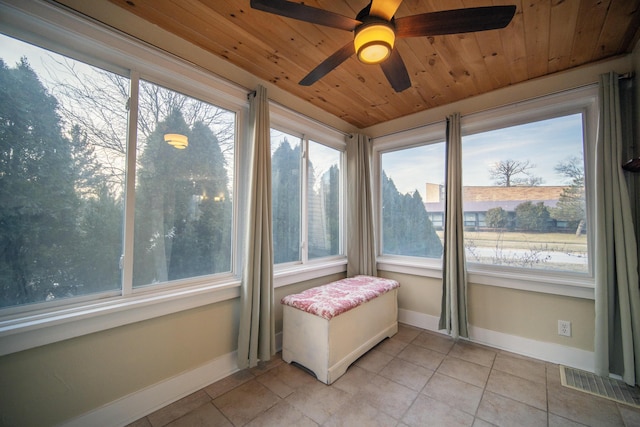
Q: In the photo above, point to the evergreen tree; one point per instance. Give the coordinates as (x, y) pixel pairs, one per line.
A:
(285, 199)
(183, 209)
(38, 204)
(496, 218)
(532, 217)
(406, 227)
(571, 206)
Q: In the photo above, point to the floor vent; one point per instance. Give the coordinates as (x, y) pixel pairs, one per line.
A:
(609, 388)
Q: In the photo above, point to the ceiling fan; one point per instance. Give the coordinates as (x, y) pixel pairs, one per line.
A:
(376, 29)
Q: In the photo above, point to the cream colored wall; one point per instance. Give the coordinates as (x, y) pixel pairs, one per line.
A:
(53, 383)
(47, 385)
(524, 314)
(532, 315)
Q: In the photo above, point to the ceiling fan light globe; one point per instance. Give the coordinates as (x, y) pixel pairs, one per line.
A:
(373, 42)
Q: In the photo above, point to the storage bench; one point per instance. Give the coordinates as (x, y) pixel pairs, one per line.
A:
(327, 328)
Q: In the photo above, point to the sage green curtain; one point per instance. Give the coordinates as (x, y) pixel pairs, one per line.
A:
(453, 314)
(256, 338)
(361, 249)
(617, 294)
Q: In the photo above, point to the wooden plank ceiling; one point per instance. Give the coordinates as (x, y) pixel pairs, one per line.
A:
(545, 36)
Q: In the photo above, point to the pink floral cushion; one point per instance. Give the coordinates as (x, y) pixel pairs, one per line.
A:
(335, 298)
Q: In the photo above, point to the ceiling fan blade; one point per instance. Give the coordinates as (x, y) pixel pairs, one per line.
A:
(396, 72)
(455, 21)
(384, 8)
(306, 13)
(329, 64)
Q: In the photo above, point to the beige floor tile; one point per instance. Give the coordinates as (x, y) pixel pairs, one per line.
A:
(264, 367)
(391, 346)
(354, 380)
(520, 366)
(318, 401)
(244, 403)
(520, 389)
(373, 361)
(229, 383)
(583, 407)
(407, 333)
(422, 356)
(433, 341)
(630, 415)
(142, 422)
(359, 412)
(204, 416)
(558, 421)
(179, 408)
(482, 423)
(502, 411)
(475, 353)
(465, 371)
(392, 398)
(406, 373)
(285, 379)
(426, 411)
(455, 393)
(282, 415)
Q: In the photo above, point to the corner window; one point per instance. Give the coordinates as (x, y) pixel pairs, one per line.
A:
(524, 196)
(306, 199)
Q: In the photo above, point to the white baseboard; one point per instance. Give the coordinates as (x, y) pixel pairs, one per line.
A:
(550, 352)
(143, 402)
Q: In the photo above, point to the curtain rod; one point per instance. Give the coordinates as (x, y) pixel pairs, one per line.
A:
(343, 133)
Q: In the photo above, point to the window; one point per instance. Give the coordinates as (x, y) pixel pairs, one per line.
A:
(63, 189)
(307, 219)
(62, 173)
(524, 195)
(183, 220)
(286, 189)
(412, 201)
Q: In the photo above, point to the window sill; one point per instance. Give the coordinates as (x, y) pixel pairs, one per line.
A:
(46, 327)
(411, 265)
(290, 274)
(565, 284)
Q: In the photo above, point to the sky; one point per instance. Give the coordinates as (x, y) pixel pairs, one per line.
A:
(543, 143)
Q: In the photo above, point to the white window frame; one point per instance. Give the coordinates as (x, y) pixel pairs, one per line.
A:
(430, 134)
(295, 124)
(581, 100)
(59, 30)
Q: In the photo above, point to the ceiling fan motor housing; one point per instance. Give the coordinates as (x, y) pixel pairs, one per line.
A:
(374, 40)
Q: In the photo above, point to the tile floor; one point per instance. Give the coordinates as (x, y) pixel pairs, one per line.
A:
(416, 378)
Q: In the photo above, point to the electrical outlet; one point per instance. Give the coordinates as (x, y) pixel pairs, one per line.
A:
(564, 328)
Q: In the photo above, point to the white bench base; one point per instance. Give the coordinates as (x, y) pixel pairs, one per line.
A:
(329, 347)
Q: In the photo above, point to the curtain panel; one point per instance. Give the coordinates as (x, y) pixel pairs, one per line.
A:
(453, 314)
(617, 294)
(361, 248)
(256, 338)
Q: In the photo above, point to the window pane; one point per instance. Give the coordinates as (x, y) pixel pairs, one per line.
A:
(413, 201)
(323, 201)
(286, 190)
(524, 195)
(183, 221)
(62, 142)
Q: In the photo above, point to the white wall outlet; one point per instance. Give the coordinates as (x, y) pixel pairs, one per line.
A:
(564, 328)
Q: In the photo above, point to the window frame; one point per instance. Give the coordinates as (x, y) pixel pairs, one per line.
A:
(430, 134)
(307, 129)
(72, 35)
(581, 100)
